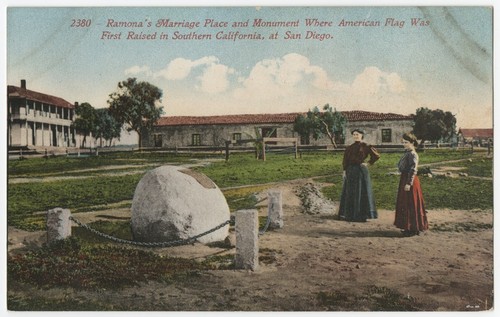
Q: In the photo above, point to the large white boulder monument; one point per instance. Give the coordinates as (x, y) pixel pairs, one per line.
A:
(173, 203)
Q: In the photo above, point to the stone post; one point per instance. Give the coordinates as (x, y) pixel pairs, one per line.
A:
(58, 224)
(275, 209)
(247, 239)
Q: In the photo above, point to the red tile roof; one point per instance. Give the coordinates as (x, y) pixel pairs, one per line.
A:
(357, 115)
(476, 133)
(271, 118)
(17, 92)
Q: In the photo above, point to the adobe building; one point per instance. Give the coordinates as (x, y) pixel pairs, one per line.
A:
(214, 131)
(475, 136)
(39, 121)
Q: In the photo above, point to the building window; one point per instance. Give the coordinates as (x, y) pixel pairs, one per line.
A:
(236, 137)
(386, 135)
(15, 110)
(196, 139)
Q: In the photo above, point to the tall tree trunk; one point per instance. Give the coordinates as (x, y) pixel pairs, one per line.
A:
(140, 139)
(330, 136)
(84, 141)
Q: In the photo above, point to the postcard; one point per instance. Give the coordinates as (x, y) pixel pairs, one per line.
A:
(273, 99)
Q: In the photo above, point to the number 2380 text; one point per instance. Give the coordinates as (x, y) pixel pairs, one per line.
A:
(81, 23)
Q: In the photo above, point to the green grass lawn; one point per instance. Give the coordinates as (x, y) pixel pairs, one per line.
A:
(244, 169)
(27, 201)
(452, 193)
(63, 165)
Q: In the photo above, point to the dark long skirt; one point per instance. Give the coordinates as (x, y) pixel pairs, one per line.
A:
(410, 207)
(357, 202)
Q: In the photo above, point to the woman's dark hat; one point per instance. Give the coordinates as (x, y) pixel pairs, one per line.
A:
(358, 130)
(411, 138)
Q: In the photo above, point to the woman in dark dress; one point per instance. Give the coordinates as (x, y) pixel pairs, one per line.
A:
(411, 216)
(357, 202)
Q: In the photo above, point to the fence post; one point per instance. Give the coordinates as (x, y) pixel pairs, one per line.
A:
(296, 147)
(263, 150)
(247, 239)
(275, 209)
(227, 150)
(58, 224)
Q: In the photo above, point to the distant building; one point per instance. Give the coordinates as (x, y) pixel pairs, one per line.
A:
(213, 131)
(38, 120)
(475, 136)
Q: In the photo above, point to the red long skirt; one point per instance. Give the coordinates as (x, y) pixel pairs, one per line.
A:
(410, 207)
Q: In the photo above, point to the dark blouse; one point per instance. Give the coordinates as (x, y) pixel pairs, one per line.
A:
(408, 164)
(356, 153)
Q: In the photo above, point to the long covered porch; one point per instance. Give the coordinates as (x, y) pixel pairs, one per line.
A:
(29, 133)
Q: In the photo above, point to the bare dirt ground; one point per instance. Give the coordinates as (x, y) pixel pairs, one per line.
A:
(448, 268)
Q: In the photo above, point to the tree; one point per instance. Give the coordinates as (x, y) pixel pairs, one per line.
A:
(135, 104)
(318, 123)
(434, 125)
(85, 120)
(259, 141)
(217, 139)
(106, 127)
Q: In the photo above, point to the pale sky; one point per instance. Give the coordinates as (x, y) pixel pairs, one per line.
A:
(398, 68)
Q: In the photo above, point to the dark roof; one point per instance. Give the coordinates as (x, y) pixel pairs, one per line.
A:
(271, 118)
(476, 133)
(18, 92)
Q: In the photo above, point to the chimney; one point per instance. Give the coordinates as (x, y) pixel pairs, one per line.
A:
(23, 83)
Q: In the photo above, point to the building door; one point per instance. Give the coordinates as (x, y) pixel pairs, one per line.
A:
(158, 140)
(269, 133)
(33, 133)
(54, 135)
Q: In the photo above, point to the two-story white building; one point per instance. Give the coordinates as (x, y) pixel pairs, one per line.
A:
(38, 120)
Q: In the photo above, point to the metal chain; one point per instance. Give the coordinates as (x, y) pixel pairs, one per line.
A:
(268, 221)
(152, 244)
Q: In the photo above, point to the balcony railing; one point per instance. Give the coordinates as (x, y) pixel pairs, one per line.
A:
(42, 117)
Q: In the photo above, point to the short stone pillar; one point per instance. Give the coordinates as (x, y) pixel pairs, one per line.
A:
(58, 224)
(275, 209)
(247, 239)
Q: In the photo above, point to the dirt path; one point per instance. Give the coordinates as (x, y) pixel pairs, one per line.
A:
(448, 268)
(111, 169)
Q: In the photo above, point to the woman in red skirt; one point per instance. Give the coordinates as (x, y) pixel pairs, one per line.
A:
(411, 216)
